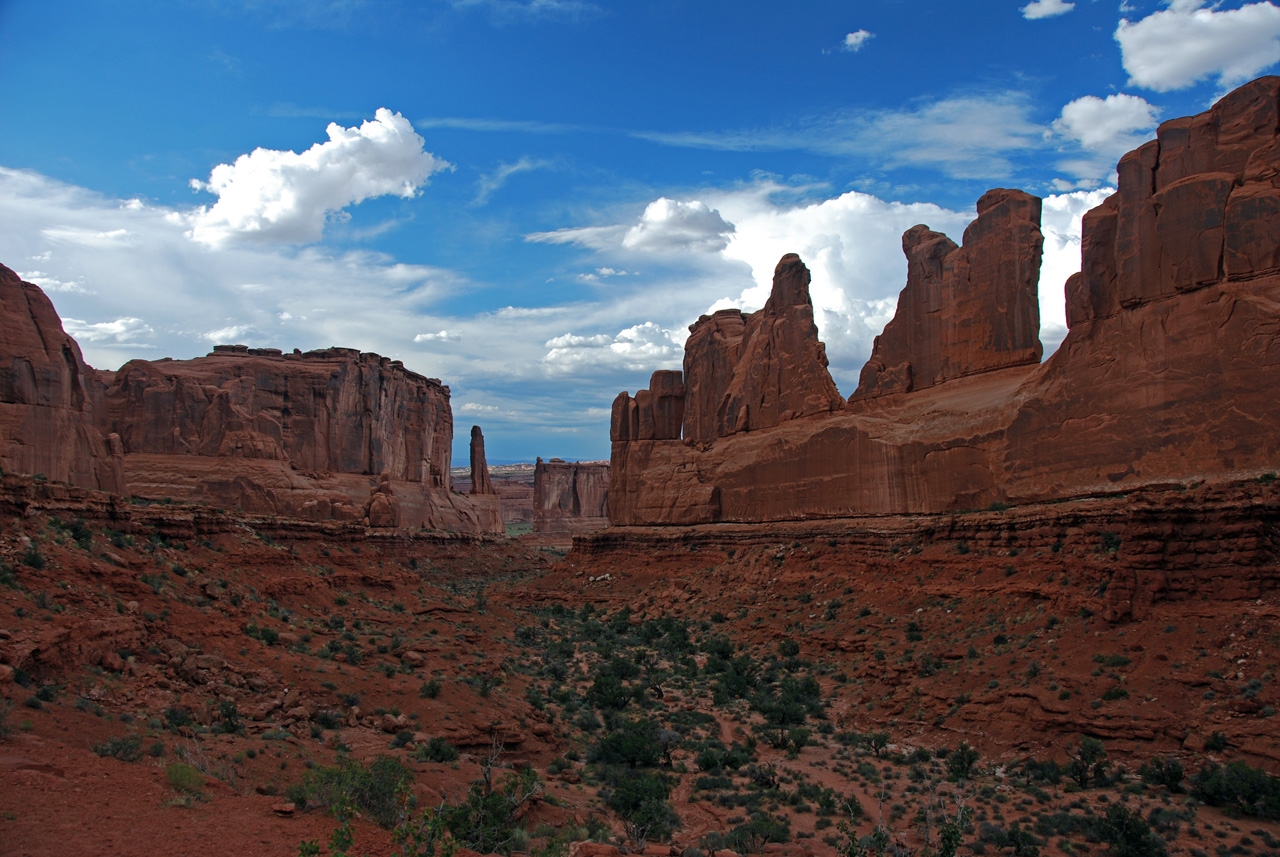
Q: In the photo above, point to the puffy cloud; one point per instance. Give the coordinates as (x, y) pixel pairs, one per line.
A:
(1106, 128)
(441, 336)
(122, 330)
(857, 41)
(1185, 43)
(671, 226)
(1104, 124)
(666, 226)
(282, 196)
(228, 335)
(1061, 224)
(642, 347)
(1046, 9)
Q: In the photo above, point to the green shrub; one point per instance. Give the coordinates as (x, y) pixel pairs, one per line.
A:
(185, 779)
(1163, 772)
(1237, 787)
(437, 750)
(635, 743)
(126, 748)
(370, 789)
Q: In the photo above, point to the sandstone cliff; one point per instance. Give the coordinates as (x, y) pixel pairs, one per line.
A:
(966, 309)
(327, 435)
(570, 497)
(47, 395)
(1167, 373)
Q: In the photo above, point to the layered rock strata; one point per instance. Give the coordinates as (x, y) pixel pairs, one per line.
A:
(1167, 373)
(332, 434)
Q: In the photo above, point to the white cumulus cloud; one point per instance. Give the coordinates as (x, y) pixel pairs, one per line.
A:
(441, 336)
(641, 347)
(672, 226)
(283, 196)
(122, 330)
(1046, 9)
(1060, 221)
(1186, 42)
(1106, 128)
(857, 41)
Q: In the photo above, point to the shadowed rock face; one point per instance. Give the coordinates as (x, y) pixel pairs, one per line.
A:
(1167, 373)
(47, 395)
(570, 497)
(965, 309)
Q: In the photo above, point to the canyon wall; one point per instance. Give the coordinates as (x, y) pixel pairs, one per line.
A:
(1167, 372)
(570, 496)
(332, 434)
(47, 396)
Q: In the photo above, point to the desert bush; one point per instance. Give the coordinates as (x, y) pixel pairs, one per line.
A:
(636, 743)
(1237, 787)
(370, 789)
(1163, 772)
(437, 750)
(185, 779)
(126, 748)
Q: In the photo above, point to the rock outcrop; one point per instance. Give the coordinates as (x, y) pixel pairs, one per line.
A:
(47, 396)
(964, 310)
(480, 483)
(570, 497)
(326, 435)
(1167, 373)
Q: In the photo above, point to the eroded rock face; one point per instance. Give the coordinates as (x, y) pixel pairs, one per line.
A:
(1167, 374)
(327, 435)
(570, 497)
(781, 371)
(964, 310)
(1195, 207)
(480, 483)
(47, 395)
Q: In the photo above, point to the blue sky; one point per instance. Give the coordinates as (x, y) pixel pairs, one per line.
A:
(533, 199)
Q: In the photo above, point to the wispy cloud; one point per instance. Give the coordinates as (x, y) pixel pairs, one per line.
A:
(490, 183)
(965, 136)
(517, 11)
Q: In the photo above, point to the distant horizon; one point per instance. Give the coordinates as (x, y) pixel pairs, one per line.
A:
(532, 200)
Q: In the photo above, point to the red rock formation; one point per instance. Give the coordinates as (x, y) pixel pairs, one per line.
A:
(253, 429)
(965, 309)
(570, 497)
(306, 431)
(711, 353)
(47, 395)
(1167, 374)
(480, 483)
(781, 372)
